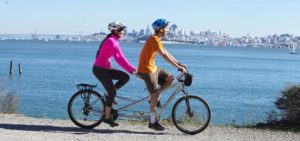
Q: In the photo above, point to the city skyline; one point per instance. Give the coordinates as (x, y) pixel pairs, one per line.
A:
(256, 18)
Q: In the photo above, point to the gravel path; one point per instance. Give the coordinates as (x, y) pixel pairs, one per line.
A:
(20, 128)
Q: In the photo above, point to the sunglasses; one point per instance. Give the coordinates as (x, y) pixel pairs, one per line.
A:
(120, 30)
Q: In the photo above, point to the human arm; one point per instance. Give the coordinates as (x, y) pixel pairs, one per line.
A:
(122, 60)
(179, 63)
(170, 59)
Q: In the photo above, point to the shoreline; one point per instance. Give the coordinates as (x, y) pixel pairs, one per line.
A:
(15, 127)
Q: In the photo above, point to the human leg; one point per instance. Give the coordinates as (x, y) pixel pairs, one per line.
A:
(151, 83)
(104, 77)
(121, 77)
(165, 79)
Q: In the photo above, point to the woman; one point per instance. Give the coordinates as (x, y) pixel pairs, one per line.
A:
(102, 69)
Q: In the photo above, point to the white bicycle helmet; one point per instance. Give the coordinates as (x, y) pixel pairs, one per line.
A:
(116, 25)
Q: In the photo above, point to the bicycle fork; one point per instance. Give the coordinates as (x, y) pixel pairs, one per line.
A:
(187, 103)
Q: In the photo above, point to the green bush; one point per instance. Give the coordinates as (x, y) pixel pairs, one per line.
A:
(8, 100)
(289, 104)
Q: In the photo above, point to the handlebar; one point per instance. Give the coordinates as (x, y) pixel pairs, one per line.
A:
(179, 77)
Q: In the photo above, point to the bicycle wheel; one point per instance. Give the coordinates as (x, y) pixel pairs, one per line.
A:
(86, 108)
(191, 114)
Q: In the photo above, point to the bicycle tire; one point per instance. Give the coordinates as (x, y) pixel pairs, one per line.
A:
(86, 109)
(200, 123)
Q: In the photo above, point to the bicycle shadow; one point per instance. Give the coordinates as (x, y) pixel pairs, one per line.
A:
(71, 130)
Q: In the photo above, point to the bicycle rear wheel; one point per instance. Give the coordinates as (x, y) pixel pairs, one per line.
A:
(191, 114)
(86, 108)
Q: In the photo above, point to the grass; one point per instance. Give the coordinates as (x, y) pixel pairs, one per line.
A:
(272, 123)
(286, 127)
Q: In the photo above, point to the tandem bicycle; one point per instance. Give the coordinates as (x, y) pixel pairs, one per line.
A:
(190, 113)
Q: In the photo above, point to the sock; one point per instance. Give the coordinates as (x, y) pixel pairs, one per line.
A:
(152, 118)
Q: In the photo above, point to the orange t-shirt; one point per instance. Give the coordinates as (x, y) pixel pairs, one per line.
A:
(146, 61)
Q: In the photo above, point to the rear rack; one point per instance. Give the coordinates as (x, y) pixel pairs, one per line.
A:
(83, 86)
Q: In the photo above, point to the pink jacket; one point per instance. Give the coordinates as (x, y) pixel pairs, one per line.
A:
(111, 48)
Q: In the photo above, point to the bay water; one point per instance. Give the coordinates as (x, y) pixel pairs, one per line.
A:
(240, 84)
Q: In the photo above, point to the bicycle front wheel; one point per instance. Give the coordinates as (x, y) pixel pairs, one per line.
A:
(86, 109)
(191, 114)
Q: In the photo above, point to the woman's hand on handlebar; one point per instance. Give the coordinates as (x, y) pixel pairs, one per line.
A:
(133, 72)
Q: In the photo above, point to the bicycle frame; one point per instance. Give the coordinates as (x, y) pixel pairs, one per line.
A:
(180, 87)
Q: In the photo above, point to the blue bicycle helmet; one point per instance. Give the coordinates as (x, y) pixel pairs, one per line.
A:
(160, 23)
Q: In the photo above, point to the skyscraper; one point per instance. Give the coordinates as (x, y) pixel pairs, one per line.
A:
(148, 31)
(173, 28)
(142, 33)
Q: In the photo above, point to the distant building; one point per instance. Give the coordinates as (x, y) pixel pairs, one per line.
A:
(142, 33)
(148, 31)
(125, 32)
(181, 32)
(172, 29)
(57, 37)
(192, 33)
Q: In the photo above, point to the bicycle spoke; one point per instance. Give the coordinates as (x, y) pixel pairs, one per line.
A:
(95, 101)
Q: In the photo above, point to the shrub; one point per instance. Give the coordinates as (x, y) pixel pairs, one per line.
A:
(8, 100)
(289, 104)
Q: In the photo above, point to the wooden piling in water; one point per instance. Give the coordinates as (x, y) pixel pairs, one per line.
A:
(20, 69)
(11, 67)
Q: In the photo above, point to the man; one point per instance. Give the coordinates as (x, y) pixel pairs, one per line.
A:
(150, 73)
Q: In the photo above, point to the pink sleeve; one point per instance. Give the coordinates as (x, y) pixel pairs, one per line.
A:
(122, 60)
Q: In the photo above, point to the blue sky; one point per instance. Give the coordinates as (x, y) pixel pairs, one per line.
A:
(235, 17)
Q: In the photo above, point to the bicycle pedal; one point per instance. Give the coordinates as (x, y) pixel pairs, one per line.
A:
(158, 105)
(115, 103)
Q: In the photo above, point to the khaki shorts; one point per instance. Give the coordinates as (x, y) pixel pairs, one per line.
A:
(152, 80)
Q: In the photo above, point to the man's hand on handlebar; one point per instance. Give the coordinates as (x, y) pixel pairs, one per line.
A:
(182, 65)
(182, 69)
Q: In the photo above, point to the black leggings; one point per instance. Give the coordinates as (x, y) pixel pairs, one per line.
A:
(106, 77)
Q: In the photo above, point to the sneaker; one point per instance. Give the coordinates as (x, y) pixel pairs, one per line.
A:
(110, 122)
(156, 126)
